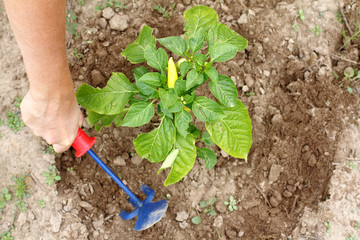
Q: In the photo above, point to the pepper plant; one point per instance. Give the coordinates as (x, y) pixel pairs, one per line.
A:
(168, 89)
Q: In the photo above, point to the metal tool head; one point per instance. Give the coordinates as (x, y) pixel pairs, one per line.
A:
(148, 212)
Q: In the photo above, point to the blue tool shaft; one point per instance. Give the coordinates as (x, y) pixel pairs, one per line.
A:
(132, 196)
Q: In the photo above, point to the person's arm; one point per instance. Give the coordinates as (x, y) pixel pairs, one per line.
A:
(49, 108)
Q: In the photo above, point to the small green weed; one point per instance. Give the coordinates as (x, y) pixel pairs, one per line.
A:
(77, 54)
(357, 226)
(81, 2)
(351, 164)
(350, 74)
(69, 169)
(41, 203)
(49, 149)
(163, 11)
(350, 90)
(21, 192)
(208, 207)
(111, 3)
(196, 220)
(14, 121)
(355, 36)
(51, 176)
(231, 204)
(301, 15)
(339, 17)
(5, 196)
(249, 94)
(167, 196)
(351, 237)
(317, 30)
(295, 27)
(6, 236)
(328, 227)
(71, 25)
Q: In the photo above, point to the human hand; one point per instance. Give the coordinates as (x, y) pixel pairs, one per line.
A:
(56, 118)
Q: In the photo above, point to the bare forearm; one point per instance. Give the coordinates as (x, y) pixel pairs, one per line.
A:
(39, 27)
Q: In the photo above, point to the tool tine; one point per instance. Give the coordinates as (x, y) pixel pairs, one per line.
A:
(149, 192)
(129, 215)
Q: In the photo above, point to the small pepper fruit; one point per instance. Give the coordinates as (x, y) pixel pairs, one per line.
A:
(172, 73)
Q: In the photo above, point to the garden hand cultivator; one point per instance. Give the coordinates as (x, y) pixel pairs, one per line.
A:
(148, 212)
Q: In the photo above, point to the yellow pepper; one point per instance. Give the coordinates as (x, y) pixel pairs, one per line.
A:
(172, 73)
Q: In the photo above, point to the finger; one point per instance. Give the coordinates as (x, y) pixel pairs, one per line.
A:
(60, 148)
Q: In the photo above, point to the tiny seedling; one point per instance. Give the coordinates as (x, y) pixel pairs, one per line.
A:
(163, 11)
(355, 36)
(351, 164)
(41, 203)
(1, 122)
(328, 227)
(119, 5)
(49, 149)
(339, 17)
(317, 30)
(77, 54)
(295, 27)
(350, 74)
(111, 3)
(5, 196)
(21, 192)
(208, 206)
(349, 89)
(51, 176)
(167, 196)
(249, 94)
(351, 237)
(69, 169)
(14, 121)
(6, 236)
(71, 25)
(196, 220)
(357, 226)
(81, 2)
(231, 204)
(301, 15)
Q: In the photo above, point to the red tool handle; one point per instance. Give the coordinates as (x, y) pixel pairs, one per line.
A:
(82, 143)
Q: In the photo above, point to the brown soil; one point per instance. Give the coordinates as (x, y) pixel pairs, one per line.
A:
(298, 113)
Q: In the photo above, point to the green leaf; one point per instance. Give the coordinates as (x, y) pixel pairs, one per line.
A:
(156, 144)
(148, 83)
(182, 120)
(199, 16)
(175, 44)
(168, 97)
(165, 111)
(176, 107)
(199, 58)
(184, 161)
(212, 201)
(197, 41)
(139, 72)
(189, 98)
(194, 131)
(222, 52)
(140, 113)
(209, 156)
(203, 204)
(207, 139)
(226, 35)
(212, 212)
(109, 100)
(193, 78)
(100, 120)
(224, 90)
(196, 220)
(119, 119)
(156, 58)
(185, 67)
(5, 190)
(2, 204)
(169, 160)
(207, 110)
(211, 35)
(212, 73)
(134, 52)
(233, 133)
(57, 178)
(180, 87)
